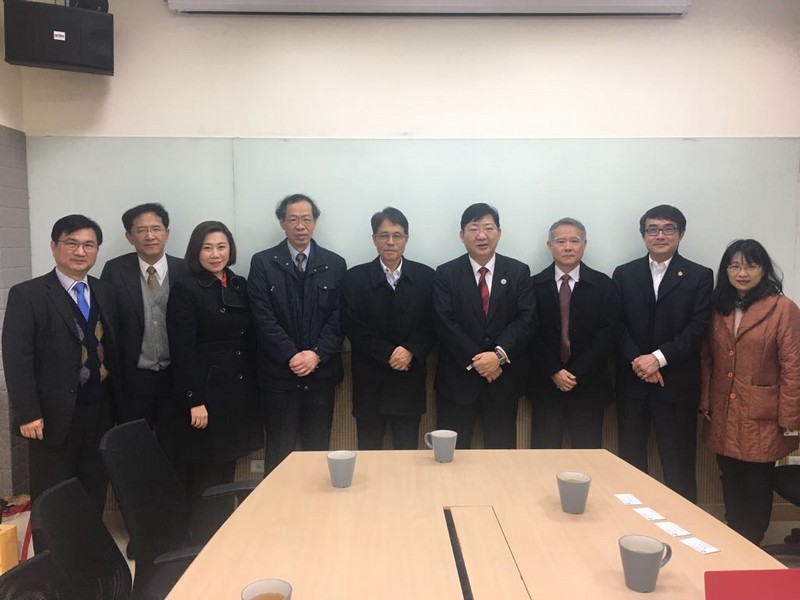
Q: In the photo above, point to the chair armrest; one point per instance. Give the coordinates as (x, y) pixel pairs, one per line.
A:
(239, 489)
(186, 554)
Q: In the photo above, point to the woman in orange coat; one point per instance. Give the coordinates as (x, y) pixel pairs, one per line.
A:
(751, 383)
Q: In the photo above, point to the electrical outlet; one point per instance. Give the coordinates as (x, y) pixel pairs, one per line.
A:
(793, 460)
(257, 466)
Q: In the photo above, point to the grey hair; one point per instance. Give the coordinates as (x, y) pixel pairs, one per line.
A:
(569, 221)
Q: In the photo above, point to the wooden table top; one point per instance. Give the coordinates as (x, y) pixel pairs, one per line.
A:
(386, 537)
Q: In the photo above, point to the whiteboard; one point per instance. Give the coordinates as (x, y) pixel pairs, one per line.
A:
(727, 188)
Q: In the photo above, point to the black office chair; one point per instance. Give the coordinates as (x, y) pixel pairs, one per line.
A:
(786, 483)
(38, 578)
(151, 498)
(66, 523)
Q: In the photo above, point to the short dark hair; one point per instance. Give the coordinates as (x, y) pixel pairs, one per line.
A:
(70, 223)
(197, 238)
(130, 215)
(393, 215)
(478, 211)
(280, 210)
(664, 212)
(725, 295)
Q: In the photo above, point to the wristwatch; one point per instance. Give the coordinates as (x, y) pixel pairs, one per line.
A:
(500, 357)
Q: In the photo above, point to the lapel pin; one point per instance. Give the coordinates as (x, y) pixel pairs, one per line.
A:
(502, 281)
(680, 273)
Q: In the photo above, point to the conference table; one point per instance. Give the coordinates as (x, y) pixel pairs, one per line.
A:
(487, 525)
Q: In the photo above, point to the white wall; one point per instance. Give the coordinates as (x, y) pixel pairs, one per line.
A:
(10, 88)
(729, 68)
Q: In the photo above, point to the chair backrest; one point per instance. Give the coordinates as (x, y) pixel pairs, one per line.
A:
(66, 523)
(37, 578)
(786, 482)
(150, 495)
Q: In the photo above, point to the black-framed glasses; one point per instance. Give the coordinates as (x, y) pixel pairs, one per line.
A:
(386, 236)
(654, 230)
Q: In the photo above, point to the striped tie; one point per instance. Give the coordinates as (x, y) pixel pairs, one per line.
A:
(483, 288)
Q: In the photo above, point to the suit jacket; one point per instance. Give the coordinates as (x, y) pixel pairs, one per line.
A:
(42, 351)
(594, 328)
(285, 323)
(464, 330)
(676, 324)
(377, 319)
(123, 273)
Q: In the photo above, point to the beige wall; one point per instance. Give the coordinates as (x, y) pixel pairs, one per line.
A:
(10, 88)
(729, 68)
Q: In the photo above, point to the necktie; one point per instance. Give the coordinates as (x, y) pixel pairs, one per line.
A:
(152, 280)
(300, 259)
(83, 305)
(564, 296)
(483, 288)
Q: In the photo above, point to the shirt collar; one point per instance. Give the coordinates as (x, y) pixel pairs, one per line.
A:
(656, 267)
(160, 266)
(396, 273)
(294, 252)
(68, 282)
(489, 265)
(575, 274)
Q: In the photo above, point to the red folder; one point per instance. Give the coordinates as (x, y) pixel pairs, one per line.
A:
(775, 584)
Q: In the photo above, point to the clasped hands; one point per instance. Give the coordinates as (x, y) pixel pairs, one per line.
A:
(648, 369)
(487, 365)
(400, 360)
(304, 363)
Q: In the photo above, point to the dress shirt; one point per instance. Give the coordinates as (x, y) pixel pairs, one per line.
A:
(68, 283)
(294, 252)
(657, 270)
(392, 277)
(489, 273)
(574, 275)
(160, 266)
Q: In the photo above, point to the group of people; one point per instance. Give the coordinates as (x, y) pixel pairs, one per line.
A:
(216, 364)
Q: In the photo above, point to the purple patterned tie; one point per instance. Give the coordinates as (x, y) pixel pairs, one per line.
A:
(483, 288)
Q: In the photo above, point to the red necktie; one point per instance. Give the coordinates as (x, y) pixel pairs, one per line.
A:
(564, 295)
(483, 288)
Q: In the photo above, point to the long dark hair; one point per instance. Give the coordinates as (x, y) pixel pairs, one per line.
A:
(726, 296)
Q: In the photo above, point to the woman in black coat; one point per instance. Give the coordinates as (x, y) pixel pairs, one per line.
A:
(211, 343)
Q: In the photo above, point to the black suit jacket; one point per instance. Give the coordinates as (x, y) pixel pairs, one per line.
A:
(42, 351)
(464, 330)
(123, 273)
(377, 319)
(676, 324)
(594, 328)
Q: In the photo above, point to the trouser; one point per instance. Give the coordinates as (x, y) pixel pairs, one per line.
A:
(747, 492)
(307, 413)
(498, 416)
(156, 405)
(405, 432)
(585, 426)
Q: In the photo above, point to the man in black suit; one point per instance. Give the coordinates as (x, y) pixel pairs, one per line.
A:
(666, 308)
(484, 316)
(387, 314)
(60, 361)
(570, 382)
(295, 293)
(141, 280)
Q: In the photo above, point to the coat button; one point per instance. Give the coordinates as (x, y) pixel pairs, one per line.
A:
(189, 394)
(237, 352)
(241, 376)
(733, 396)
(222, 309)
(730, 375)
(72, 390)
(731, 353)
(241, 332)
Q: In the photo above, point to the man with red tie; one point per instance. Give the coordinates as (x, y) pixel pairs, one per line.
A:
(484, 316)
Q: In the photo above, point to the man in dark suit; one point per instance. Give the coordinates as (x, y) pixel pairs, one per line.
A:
(141, 280)
(294, 291)
(60, 361)
(666, 309)
(387, 314)
(570, 382)
(484, 316)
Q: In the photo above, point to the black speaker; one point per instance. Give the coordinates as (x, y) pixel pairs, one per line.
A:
(54, 36)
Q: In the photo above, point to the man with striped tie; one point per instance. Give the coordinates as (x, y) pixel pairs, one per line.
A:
(60, 360)
(484, 316)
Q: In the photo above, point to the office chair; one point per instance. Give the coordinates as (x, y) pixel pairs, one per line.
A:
(66, 523)
(38, 578)
(151, 498)
(787, 484)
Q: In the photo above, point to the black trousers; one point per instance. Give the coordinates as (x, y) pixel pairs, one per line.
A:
(77, 456)
(585, 426)
(156, 404)
(206, 516)
(405, 432)
(286, 415)
(675, 427)
(747, 492)
(498, 416)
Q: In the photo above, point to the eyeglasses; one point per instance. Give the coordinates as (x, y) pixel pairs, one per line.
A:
(654, 230)
(564, 241)
(734, 268)
(295, 221)
(155, 230)
(476, 229)
(73, 245)
(385, 236)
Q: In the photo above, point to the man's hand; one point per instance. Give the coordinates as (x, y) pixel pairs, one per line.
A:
(564, 380)
(33, 430)
(486, 363)
(400, 360)
(645, 366)
(304, 363)
(199, 416)
(490, 377)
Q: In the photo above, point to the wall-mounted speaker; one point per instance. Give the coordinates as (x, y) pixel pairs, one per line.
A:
(54, 36)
